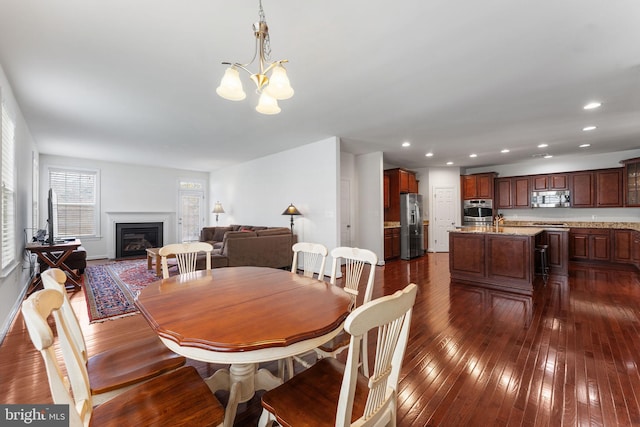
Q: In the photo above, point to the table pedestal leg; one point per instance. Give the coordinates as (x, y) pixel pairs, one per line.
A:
(241, 380)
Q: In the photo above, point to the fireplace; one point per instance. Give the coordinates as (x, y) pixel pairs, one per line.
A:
(134, 238)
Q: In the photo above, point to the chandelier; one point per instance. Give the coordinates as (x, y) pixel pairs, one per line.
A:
(271, 88)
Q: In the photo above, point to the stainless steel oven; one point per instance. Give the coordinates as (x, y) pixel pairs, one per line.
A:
(477, 212)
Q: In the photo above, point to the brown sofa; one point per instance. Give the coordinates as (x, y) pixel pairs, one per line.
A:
(239, 245)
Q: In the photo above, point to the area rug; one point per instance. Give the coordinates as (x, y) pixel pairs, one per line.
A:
(110, 288)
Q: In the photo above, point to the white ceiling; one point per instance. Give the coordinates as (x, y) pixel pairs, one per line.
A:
(134, 81)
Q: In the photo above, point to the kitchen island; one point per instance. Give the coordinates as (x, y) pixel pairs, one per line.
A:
(500, 258)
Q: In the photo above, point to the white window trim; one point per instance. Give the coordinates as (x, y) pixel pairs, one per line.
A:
(13, 261)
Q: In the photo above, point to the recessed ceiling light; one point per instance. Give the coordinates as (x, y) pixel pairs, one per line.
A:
(429, 154)
(505, 150)
(548, 156)
(543, 145)
(592, 105)
(584, 145)
(406, 144)
(588, 128)
(449, 163)
(473, 155)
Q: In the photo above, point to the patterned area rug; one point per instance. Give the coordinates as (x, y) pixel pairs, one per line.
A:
(110, 288)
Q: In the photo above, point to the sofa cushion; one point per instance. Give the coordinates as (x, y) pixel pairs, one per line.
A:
(229, 235)
(218, 234)
(274, 231)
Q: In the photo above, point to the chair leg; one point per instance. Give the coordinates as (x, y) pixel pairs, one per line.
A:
(266, 419)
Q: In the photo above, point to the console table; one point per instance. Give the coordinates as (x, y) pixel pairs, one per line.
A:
(54, 256)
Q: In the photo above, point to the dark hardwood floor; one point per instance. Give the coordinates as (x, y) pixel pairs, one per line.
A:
(474, 357)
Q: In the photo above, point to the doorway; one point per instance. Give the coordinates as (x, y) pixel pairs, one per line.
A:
(444, 217)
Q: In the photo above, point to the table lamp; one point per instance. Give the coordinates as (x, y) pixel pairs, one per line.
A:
(217, 209)
(291, 210)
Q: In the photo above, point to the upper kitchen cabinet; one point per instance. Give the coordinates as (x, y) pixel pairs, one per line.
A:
(556, 181)
(601, 188)
(396, 182)
(513, 192)
(631, 182)
(478, 186)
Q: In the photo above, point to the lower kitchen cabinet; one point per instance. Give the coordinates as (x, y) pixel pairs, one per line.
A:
(590, 244)
(391, 243)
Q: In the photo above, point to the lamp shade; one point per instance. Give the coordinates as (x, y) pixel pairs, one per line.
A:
(217, 208)
(291, 210)
(279, 86)
(267, 104)
(230, 86)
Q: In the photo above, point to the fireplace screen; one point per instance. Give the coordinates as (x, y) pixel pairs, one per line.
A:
(133, 239)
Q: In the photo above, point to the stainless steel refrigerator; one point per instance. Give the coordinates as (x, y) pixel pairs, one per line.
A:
(411, 226)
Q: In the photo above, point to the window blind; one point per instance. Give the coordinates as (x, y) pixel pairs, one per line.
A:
(77, 201)
(8, 190)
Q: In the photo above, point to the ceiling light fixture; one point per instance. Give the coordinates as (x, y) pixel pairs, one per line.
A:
(271, 89)
(429, 155)
(588, 128)
(449, 163)
(548, 156)
(584, 145)
(592, 105)
(504, 150)
(543, 145)
(406, 144)
(473, 155)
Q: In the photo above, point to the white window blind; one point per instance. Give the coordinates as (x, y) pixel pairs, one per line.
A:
(8, 190)
(76, 193)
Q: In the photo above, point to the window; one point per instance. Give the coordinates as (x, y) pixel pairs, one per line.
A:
(77, 196)
(8, 252)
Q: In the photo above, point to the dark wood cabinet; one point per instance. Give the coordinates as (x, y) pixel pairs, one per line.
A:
(425, 237)
(608, 188)
(582, 190)
(623, 246)
(589, 244)
(391, 243)
(512, 192)
(478, 186)
(635, 248)
(631, 182)
(397, 181)
(556, 181)
(558, 251)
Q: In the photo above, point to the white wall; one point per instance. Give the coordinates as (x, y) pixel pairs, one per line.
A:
(370, 217)
(257, 192)
(124, 188)
(14, 281)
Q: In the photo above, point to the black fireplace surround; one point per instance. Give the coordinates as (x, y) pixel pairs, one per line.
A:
(134, 238)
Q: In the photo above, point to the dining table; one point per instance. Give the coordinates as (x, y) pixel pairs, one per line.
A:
(242, 316)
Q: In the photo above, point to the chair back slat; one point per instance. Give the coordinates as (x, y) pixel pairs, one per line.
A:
(186, 255)
(355, 261)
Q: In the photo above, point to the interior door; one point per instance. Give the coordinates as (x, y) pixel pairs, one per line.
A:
(190, 215)
(345, 212)
(444, 217)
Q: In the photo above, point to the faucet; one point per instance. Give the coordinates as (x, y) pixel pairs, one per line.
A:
(498, 219)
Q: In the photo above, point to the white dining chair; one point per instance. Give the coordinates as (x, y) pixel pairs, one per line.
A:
(355, 261)
(112, 371)
(311, 254)
(180, 397)
(186, 255)
(331, 393)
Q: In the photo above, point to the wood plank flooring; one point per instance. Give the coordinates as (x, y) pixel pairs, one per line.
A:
(474, 358)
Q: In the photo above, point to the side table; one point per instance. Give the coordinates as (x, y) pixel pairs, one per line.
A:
(54, 256)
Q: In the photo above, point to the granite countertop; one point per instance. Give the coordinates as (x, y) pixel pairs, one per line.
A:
(574, 224)
(396, 224)
(511, 231)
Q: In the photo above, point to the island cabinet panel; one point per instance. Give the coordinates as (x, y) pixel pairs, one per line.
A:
(557, 251)
(501, 254)
(466, 254)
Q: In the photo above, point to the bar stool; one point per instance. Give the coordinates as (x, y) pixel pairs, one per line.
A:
(543, 265)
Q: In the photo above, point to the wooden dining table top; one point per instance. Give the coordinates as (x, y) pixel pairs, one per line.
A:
(237, 309)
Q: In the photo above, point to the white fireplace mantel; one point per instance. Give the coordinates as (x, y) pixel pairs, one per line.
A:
(168, 220)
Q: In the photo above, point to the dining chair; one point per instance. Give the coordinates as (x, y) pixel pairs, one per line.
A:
(114, 370)
(355, 260)
(310, 253)
(332, 393)
(186, 255)
(180, 397)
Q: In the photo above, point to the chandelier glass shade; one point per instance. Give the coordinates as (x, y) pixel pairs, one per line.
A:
(272, 82)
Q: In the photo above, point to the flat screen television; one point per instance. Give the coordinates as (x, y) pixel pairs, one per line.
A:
(52, 219)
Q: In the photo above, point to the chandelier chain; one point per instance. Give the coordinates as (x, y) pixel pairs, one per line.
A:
(266, 48)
